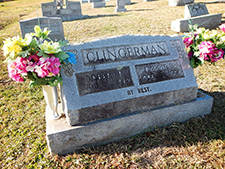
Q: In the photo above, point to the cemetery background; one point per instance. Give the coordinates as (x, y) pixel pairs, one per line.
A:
(198, 142)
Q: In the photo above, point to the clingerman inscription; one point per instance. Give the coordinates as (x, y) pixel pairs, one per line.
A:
(103, 80)
(160, 71)
(123, 53)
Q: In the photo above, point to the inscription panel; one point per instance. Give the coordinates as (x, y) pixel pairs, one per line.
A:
(103, 80)
(197, 9)
(124, 53)
(161, 71)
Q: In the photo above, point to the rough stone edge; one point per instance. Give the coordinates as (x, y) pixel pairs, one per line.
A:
(69, 139)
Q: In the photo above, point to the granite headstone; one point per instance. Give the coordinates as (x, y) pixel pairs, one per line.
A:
(71, 11)
(122, 86)
(120, 6)
(126, 74)
(195, 9)
(196, 13)
(53, 24)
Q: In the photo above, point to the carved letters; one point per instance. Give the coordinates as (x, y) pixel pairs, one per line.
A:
(156, 72)
(123, 53)
(103, 80)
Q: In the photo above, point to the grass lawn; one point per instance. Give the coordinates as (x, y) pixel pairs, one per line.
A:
(197, 143)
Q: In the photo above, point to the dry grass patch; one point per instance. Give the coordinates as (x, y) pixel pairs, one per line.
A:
(197, 143)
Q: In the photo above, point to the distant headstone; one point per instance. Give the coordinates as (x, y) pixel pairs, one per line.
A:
(98, 4)
(53, 24)
(83, 1)
(180, 2)
(127, 2)
(195, 9)
(72, 11)
(120, 6)
(196, 13)
(120, 87)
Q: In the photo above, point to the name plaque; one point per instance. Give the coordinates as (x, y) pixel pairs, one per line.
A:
(160, 71)
(124, 53)
(103, 80)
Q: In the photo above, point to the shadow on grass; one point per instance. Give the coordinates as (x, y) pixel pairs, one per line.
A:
(192, 132)
(139, 10)
(109, 6)
(98, 16)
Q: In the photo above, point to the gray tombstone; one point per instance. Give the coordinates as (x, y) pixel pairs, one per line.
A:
(120, 87)
(118, 76)
(120, 6)
(195, 9)
(72, 10)
(196, 13)
(98, 4)
(180, 2)
(53, 24)
(48, 9)
(127, 2)
(83, 1)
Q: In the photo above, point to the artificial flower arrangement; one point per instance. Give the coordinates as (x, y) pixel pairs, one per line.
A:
(205, 45)
(35, 57)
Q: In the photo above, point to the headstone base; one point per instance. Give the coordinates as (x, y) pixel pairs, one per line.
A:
(98, 4)
(69, 17)
(63, 139)
(120, 10)
(207, 21)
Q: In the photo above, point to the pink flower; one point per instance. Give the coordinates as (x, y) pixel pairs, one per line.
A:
(222, 27)
(48, 66)
(55, 66)
(206, 49)
(218, 55)
(41, 72)
(188, 41)
(17, 69)
(209, 51)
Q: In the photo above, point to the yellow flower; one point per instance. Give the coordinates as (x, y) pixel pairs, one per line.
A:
(15, 48)
(39, 33)
(206, 36)
(6, 47)
(50, 47)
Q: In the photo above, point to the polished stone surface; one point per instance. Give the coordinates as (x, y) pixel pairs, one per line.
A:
(195, 9)
(120, 75)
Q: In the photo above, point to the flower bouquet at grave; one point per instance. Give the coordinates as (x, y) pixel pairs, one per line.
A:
(35, 57)
(204, 45)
